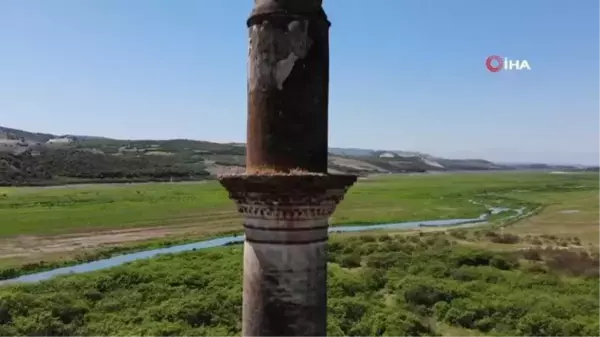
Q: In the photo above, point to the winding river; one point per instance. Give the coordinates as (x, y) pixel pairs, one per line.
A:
(121, 259)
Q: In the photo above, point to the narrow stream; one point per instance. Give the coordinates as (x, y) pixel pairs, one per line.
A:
(121, 259)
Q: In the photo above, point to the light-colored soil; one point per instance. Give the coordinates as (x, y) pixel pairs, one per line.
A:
(26, 247)
(355, 164)
(217, 170)
(560, 220)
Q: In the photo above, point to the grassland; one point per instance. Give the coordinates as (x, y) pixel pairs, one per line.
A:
(537, 276)
(60, 222)
(68, 210)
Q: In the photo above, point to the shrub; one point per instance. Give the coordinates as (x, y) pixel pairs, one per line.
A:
(506, 238)
(350, 260)
(532, 255)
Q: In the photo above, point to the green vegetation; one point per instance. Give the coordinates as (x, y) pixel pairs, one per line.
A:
(103, 160)
(43, 228)
(538, 276)
(14, 268)
(54, 166)
(33, 162)
(378, 285)
(33, 210)
(205, 205)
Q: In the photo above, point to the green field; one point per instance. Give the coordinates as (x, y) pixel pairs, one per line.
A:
(60, 210)
(58, 223)
(536, 276)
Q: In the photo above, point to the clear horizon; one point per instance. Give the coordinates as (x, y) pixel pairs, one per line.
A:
(405, 75)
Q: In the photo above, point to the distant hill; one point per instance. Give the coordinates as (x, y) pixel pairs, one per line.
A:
(29, 158)
(417, 159)
(351, 152)
(32, 136)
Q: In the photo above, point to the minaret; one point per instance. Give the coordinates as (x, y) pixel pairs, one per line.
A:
(286, 195)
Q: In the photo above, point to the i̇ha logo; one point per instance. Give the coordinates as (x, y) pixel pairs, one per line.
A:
(496, 63)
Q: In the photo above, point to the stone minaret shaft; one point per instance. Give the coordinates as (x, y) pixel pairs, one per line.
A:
(286, 196)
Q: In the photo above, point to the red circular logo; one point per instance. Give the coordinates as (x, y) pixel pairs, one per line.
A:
(494, 68)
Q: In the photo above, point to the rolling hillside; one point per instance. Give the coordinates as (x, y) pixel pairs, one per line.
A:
(29, 158)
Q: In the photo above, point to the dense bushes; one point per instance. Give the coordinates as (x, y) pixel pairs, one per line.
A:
(87, 165)
(19, 170)
(378, 285)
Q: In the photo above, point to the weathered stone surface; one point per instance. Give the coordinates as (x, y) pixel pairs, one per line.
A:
(286, 7)
(286, 196)
(285, 253)
(288, 87)
(285, 290)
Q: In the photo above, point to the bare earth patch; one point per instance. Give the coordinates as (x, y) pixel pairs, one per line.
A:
(574, 217)
(27, 246)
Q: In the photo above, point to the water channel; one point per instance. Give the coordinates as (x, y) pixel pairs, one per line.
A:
(226, 240)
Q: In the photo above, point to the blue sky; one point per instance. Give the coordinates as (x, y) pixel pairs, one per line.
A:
(405, 74)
